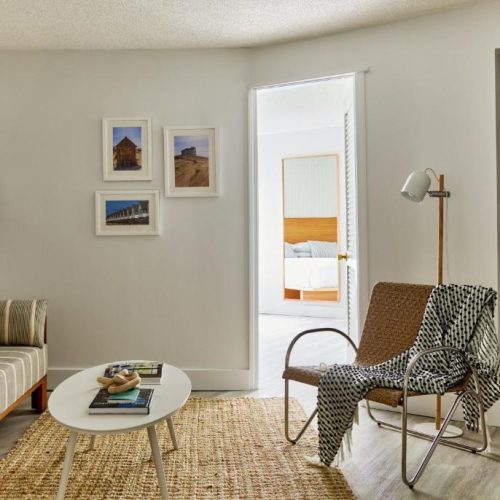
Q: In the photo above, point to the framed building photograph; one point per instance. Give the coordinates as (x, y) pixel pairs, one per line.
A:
(127, 147)
(192, 156)
(127, 213)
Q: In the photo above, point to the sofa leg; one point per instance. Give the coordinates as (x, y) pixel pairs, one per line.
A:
(39, 396)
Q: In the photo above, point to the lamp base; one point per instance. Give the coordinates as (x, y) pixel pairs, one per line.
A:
(430, 428)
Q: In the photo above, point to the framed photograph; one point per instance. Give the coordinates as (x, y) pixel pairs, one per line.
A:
(192, 161)
(127, 213)
(126, 146)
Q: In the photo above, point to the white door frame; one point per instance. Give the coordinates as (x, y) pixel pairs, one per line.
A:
(253, 214)
(361, 200)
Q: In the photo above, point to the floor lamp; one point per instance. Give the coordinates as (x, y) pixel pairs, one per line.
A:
(416, 187)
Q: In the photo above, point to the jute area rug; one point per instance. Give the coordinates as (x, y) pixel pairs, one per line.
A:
(228, 449)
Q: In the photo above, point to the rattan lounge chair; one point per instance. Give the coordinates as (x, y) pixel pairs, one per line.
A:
(391, 326)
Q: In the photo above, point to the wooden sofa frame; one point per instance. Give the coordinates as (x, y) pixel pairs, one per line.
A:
(38, 392)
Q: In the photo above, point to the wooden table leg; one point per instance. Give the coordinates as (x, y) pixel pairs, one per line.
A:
(172, 432)
(155, 449)
(68, 460)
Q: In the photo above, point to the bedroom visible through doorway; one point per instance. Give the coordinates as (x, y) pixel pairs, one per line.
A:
(304, 136)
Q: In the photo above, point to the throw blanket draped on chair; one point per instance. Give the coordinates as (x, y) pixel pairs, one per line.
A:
(459, 316)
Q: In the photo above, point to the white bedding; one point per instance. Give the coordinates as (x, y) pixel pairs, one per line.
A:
(310, 249)
(311, 274)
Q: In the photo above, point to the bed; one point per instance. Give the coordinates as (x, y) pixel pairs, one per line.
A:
(311, 270)
(311, 273)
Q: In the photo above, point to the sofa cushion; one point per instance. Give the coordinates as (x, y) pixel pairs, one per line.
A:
(20, 369)
(22, 322)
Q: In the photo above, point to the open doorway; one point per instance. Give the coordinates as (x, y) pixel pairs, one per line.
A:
(307, 221)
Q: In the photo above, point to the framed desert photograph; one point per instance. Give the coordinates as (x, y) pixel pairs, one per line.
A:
(127, 213)
(126, 144)
(192, 161)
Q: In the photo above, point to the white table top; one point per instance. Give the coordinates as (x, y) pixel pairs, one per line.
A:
(69, 402)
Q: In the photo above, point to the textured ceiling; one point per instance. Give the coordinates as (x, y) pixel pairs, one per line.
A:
(142, 24)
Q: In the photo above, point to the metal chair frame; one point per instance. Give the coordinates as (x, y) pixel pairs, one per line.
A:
(438, 439)
(287, 382)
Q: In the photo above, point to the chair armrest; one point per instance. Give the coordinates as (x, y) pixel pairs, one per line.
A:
(314, 330)
(415, 358)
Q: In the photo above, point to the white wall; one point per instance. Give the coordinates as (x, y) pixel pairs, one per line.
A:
(430, 102)
(182, 296)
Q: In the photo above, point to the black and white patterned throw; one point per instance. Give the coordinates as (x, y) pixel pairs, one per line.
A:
(459, 316)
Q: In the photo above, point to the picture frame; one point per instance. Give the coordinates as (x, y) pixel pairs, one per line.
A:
(127, 149)
(127, 213)
(192, 161)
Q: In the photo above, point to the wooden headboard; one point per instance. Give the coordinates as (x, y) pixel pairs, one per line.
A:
(297, 229)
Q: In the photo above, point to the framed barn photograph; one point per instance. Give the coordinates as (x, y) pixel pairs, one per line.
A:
(192, 156)
(126, 145)
(127, 213)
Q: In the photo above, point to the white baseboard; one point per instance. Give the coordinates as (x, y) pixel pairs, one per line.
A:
(219, 380)
(201, 379)
(57, 375)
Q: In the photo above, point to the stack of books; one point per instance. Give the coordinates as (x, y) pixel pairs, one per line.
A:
(151, 372)
(135, 401)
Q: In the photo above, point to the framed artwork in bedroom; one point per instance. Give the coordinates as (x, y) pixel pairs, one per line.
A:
(192, 161)
(127, 149)
(127, 213)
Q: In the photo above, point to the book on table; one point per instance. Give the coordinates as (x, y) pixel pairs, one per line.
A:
(151, 372)
(104, 403)
(129, 396)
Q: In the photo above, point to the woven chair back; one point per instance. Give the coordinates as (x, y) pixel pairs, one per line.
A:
(392, 322)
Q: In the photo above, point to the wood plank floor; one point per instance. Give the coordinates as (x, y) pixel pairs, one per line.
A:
(373, 471)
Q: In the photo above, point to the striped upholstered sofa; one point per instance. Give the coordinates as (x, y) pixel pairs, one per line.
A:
(23, 354)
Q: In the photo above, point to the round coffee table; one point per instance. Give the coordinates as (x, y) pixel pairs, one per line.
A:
(69, 405)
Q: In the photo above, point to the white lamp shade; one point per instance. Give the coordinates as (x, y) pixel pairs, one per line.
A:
(416, 186)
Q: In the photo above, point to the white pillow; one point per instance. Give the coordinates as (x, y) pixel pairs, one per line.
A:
(289, 253)
(323, 249)
(303, 246)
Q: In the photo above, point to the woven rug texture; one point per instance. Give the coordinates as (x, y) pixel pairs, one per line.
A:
(230, 448)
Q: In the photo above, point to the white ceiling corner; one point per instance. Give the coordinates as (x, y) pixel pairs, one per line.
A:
(155, 24)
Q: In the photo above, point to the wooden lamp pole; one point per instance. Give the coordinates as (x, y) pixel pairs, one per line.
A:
(440, 276)
(451, 431)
